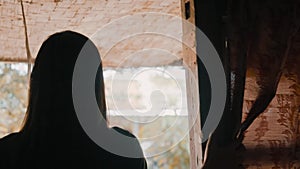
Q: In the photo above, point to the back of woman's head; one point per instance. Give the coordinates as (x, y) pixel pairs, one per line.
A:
(51, 111)
(52, 136)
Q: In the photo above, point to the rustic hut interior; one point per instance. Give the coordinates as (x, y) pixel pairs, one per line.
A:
(157, 84)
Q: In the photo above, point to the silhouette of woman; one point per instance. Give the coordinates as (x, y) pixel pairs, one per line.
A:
(52, 136)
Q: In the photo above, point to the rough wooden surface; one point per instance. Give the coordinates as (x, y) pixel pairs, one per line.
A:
(190, 63)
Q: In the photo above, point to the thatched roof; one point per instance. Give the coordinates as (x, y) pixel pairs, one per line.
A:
(45, 17)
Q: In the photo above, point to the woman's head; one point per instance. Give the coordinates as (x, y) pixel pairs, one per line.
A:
(50, 99)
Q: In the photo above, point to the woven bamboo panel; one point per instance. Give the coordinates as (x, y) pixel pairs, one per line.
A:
(45, 17)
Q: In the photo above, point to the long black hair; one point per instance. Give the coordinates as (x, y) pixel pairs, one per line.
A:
(52, 136)
(50, 110)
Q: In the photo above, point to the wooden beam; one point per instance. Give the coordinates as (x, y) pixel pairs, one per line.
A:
(190, 63)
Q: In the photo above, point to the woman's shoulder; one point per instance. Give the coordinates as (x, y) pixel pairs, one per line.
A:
(134, 144)
(140, 162)
(8, 138)
(9, 142)
(8, 147)
(124, 132)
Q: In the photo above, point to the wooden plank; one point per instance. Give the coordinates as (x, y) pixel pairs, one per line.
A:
(190, 63)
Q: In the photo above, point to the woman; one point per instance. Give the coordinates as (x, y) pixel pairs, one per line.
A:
(52, 136)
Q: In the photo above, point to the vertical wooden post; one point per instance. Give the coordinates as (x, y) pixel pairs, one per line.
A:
(190, 63)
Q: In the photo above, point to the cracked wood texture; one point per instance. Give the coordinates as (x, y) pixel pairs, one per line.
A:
(190, 63)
